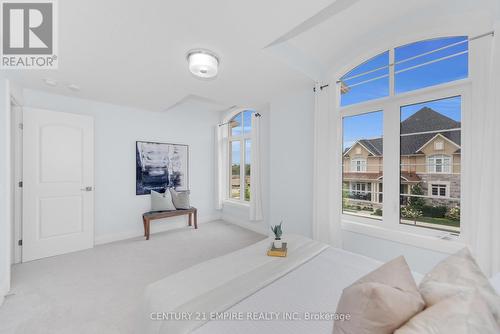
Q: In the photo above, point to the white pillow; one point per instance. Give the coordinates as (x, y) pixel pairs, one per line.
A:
(180, 199)
(464, 313)
(459, 273)
(161, 202)
(379, 302)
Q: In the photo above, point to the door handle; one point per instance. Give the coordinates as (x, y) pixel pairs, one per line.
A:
(86, 189)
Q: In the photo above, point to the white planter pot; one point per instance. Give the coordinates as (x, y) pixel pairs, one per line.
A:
(277, 243)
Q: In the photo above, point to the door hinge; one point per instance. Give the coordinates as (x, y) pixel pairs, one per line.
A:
(20, 184)
(20, 242)
(21, 126)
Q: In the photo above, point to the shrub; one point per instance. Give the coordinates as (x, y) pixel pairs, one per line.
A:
(453, 213)
(378, 212)
(434, 211)
(410, 213)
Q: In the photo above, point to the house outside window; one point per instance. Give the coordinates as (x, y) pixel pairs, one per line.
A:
(413, 79)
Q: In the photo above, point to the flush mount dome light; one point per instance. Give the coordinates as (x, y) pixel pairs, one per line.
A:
(203, 63)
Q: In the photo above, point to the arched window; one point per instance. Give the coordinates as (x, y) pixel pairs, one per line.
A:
(240, 130)
(375, 94)
(439, 163)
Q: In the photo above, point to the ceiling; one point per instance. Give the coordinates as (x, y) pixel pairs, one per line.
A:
(134, 52)
(342, 35)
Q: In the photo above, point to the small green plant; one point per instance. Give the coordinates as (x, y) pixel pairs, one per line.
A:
(277, 231)
(378, 212)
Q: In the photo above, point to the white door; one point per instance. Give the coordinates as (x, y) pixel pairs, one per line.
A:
(58, 180)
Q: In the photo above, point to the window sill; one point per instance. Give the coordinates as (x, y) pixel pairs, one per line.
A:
(236, 203)
(431, 242)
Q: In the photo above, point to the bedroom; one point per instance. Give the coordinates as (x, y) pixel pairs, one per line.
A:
(366, 129)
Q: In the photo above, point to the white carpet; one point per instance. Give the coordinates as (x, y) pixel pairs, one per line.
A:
(96, 291)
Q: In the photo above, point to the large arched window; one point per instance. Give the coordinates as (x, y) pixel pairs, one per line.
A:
(409, 85)
(240, 130)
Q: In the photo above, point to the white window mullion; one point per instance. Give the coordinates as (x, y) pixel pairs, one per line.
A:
(391, 72)
(391, 166)
(242, 169)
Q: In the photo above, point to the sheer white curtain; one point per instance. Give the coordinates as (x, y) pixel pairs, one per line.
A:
(482, 165)
(221, 177)
(256, 171)
(326, 211)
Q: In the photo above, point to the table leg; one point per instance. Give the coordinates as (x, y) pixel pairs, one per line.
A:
(196, 219)
(144, 223)
(190, 215)
(148, 225)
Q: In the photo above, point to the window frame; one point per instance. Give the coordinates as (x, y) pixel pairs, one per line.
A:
(446, 185)
(242, 138)
(389, 226)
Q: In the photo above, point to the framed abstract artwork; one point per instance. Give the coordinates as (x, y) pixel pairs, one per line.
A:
(160, 166)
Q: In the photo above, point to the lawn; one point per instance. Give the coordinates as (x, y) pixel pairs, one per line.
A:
(439, 221)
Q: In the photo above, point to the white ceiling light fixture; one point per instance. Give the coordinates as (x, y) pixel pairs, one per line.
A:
(203, 63)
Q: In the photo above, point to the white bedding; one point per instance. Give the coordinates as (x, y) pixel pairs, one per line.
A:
(314, 287)
(241, 284)
(217, 285)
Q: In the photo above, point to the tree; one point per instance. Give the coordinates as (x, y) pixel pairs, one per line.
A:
(416, 203)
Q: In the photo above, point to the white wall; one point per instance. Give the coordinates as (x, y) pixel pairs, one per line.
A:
(420, 259)
(117, 209)
(287, 162)
(4, 188)
(291, 161)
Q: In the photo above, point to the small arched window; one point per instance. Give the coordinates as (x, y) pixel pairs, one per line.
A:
(240, 143)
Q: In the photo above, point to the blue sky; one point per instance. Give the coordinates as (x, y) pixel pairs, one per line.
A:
(237, 131)
(428, 75)
(370, 125)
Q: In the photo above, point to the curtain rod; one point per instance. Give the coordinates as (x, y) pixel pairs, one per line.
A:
(256, 115)
(489, 33)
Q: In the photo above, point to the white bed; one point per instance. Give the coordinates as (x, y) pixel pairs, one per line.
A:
(248, 284)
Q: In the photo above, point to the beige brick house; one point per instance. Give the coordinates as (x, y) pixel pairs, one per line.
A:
(430, 157)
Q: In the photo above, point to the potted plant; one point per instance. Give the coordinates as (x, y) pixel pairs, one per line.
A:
(277, 243)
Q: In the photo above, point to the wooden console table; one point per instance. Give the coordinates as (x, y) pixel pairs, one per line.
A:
(153, 215)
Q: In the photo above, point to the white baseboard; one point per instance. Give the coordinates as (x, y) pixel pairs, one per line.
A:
(155, 228)
(258, 227)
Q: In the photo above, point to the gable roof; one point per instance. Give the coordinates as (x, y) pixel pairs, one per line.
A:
(367, 145)
(425, 120)
(439, 135)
